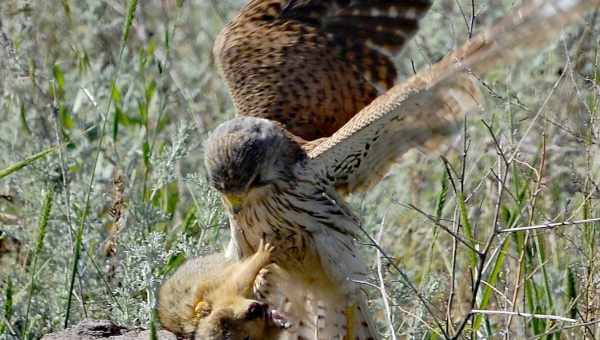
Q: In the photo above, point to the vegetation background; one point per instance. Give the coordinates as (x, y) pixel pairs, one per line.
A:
(104, 106)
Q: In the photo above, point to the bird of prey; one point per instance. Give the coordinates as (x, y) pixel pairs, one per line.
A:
(277, 188)
(310, 66)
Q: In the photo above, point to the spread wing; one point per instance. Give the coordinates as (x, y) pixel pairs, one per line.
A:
(316, 308)
(429, 105)
(313, 64)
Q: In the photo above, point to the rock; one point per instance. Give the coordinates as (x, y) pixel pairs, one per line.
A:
(104, 329)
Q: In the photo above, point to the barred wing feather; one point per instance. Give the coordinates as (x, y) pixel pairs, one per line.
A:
(431, 103)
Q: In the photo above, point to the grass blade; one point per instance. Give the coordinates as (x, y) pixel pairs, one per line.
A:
(8, 306)
(127, 25)
(42, 224)
(20, 165)
(81, 227)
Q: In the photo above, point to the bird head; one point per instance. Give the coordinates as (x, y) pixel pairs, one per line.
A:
(248, 153)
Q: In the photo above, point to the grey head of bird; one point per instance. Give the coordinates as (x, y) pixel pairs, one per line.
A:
(249, 153)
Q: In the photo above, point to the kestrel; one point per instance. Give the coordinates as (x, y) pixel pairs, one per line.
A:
(276, 188)
(311, 65)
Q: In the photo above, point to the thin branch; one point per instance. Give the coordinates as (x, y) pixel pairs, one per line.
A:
(497, 291)
(418, 318)
(407, 281)
(452, 294)
(472, 25)
(485, 254)
(463, 14)
(496, 143)
(549, 225)
(559, 329)
(537, 115)
(527, 315)
(444, 227)
(384, 296)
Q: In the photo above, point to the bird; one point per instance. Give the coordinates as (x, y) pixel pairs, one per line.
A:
(273, 189)
(278, 187)
(310, 66)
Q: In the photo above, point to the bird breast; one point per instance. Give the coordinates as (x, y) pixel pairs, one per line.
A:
(289, 216)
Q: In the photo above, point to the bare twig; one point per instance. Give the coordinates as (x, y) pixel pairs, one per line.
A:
(483, 255)
(497, 291)
(386, 303)
(527, 315)
(472, 25)
(462, 12)
(451, 295)
(442, 226)
(537, 115)
(564, 328)
(549, 225)
(428, 306)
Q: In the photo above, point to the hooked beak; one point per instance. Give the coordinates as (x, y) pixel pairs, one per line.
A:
(235, 201)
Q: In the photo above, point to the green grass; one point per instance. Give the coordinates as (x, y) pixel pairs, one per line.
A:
(21, 164)
(104, 107)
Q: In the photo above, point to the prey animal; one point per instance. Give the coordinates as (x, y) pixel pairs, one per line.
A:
(212, 298)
